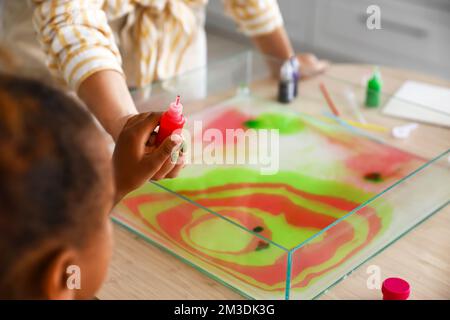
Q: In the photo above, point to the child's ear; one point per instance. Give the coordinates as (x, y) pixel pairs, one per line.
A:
(55, 284)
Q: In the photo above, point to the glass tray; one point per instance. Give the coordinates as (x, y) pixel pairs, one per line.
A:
(338, 194)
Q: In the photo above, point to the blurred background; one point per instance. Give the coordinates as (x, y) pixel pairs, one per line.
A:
(414, 34)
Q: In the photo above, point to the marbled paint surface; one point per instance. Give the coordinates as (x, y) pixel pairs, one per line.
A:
(239, 225)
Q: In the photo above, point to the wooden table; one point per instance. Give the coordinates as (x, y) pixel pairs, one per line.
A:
(141, 271)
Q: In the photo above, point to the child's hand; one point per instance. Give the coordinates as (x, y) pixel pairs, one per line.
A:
(136, 159)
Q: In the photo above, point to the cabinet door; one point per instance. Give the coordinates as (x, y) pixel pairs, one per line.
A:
(297, 15)
(216, 17)
(412, 35)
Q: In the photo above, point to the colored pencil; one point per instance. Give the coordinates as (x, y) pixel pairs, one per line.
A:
(327, 97)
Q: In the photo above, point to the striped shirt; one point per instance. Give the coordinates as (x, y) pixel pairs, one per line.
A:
(78, 40)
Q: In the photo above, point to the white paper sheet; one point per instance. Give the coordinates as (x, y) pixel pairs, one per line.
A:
(421, 102)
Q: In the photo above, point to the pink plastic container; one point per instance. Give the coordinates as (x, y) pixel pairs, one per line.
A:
(395, 289)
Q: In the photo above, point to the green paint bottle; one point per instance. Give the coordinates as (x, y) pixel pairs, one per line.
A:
(373, 94)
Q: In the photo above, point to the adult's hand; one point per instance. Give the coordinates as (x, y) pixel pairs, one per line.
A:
(310, 65)
(276, 44)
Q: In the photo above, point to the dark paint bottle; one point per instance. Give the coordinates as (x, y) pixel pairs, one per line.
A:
(286, 88)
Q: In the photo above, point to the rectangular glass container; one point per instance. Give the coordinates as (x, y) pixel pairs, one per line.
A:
(323, 199)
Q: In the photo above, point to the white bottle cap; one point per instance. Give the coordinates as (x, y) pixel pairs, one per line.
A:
(286, 71)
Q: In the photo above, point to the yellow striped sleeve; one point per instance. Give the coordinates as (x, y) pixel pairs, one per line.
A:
(255, 17)
(76, 38)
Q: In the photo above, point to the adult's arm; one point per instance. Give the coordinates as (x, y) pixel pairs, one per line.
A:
(262, 21)
(81, 51)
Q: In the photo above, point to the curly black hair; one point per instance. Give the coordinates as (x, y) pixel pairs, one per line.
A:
(50, 179)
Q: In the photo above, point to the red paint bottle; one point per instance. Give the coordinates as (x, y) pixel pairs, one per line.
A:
(171, 120)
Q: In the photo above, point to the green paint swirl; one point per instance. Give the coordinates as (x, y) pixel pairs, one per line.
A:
(285, 123)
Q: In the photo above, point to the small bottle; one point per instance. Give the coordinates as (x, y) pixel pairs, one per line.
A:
(373, 93)
(296, 72)
(286, 87)
(171, 120)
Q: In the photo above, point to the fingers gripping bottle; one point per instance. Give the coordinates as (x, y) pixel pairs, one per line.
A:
(171, 120)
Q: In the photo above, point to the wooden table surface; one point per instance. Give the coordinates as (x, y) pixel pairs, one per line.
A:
(141, 271)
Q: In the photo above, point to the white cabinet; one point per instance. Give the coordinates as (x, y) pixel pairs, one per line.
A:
(411, 36)
(415, 34)
(296, 15)
(216, 16)
(298, 18)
